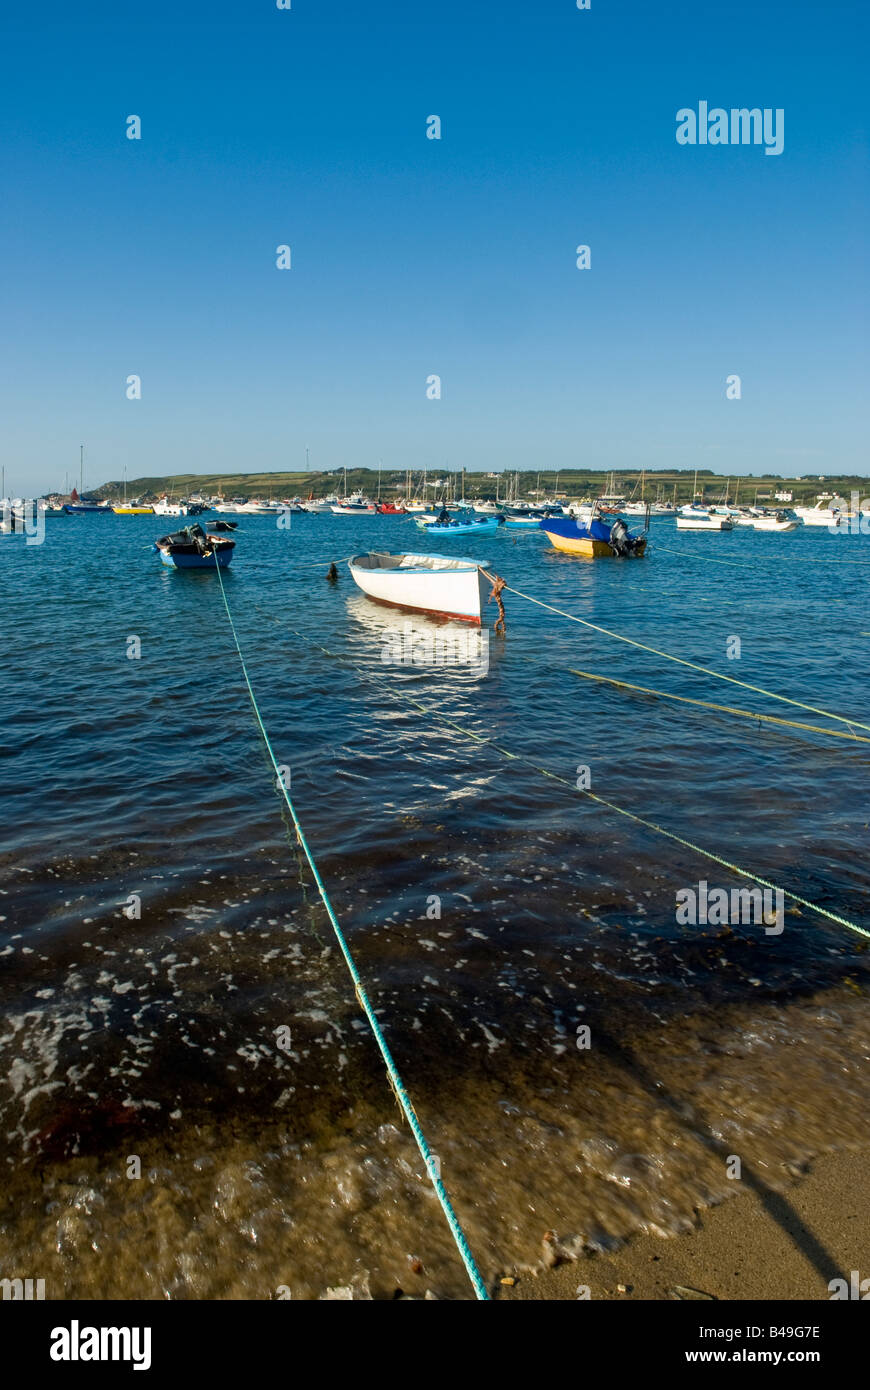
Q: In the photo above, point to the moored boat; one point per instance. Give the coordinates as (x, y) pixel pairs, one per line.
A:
(776, 521)
(482, 526)
(355, 505)
(163, 507)
(821, 516)
(88, 509)
(594, 538)
(442, 584)
(703, 521)
(194, 549)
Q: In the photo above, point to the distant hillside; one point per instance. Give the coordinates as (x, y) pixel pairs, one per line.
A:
(572, 482)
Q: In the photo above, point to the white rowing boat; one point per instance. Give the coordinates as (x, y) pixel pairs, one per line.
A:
(443, 584)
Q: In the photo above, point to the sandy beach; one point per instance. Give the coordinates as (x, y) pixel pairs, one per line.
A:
(785, 1248)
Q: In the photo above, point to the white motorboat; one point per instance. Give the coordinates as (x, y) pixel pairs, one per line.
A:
(442, 584)
(775, 521)
(163, 507)
(703, 521)
(321, 504)
(355, 505)
(821, 516)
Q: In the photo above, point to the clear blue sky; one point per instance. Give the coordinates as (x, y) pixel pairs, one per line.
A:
(413, 256)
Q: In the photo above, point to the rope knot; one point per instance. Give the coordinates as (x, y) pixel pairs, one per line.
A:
(497, 585)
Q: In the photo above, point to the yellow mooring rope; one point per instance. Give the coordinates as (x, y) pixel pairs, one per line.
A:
(681, 661)
(725, 709)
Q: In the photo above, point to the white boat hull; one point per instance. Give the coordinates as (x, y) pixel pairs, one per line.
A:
(426, 583)
(814, 518)
(762, 523)
(704, 523)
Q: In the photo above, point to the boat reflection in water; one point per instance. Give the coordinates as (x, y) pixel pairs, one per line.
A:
(458, 650)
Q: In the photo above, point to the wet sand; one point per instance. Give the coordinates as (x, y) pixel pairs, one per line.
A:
(819, 1229)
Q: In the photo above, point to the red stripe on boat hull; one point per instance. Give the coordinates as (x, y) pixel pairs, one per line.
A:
(433, 612)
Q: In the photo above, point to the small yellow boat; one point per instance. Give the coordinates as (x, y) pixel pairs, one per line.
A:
(133, 511)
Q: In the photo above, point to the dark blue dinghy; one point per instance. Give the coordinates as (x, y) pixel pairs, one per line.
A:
(193, 549)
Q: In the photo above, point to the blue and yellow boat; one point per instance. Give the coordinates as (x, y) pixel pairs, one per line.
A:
(593, 538)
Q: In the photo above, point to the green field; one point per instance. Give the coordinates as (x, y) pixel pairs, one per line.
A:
(573, 483)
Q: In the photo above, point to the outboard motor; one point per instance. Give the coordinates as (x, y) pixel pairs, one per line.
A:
(620, 540)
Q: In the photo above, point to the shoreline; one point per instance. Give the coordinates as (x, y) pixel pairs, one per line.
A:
(787, 1249)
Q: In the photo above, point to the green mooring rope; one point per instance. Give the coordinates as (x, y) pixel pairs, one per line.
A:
(392, 1071)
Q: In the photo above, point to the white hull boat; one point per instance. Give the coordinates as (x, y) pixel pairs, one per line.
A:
(780, 522)
(820, 516)
(166, 508)
(441, 584)
(704, 523)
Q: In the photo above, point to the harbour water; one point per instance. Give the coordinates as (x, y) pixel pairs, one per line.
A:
(158, 926)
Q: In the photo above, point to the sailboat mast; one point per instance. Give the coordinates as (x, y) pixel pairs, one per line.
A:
(81, 469)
